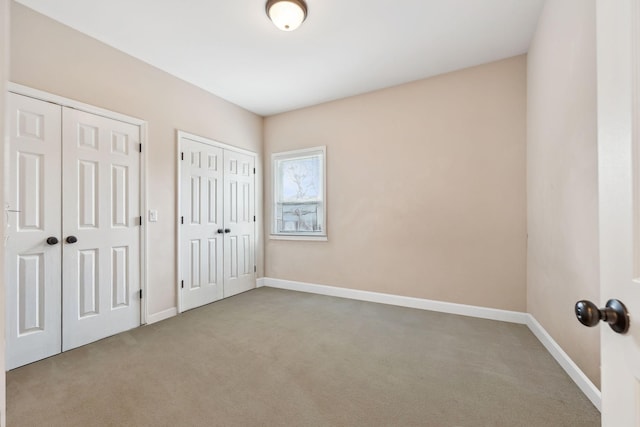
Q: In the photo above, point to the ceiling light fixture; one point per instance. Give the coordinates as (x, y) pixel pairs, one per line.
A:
(287, 14)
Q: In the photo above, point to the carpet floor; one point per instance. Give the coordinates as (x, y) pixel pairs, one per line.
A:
(271, 357)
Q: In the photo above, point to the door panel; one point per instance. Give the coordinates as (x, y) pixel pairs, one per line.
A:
(33, 215)
(618, 59)
(201, 211)
(217, 230)
(101, 209)
(239, 214)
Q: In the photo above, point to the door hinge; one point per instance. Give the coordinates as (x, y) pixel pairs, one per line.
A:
(254, 218)
(254, 171)
(140, 219)
(182, 156)
(182, 284)
(255, 269)
(140, 293)
(140, 147)
(181, 220)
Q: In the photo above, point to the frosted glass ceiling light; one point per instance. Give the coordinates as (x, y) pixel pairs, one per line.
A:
(287, 14)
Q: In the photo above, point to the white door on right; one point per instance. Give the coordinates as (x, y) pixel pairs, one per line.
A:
(239, 223)
(618, 59)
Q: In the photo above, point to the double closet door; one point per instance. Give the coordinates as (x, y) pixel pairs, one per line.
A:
(73, 214)
(217, 222)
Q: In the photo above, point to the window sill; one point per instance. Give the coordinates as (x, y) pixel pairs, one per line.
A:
(298, 237)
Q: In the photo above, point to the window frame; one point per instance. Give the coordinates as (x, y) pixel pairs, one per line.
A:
(276, 158)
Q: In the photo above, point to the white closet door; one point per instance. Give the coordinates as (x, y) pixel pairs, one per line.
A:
(239, 211)
(201, 228)
(101, 210)
(33, 329)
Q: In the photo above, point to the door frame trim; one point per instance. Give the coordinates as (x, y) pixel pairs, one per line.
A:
(214, 143)
(66, 102)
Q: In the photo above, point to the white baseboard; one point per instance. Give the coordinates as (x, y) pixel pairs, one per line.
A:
(260, 282)
(575, 373)
(164, 314)
(563, 359)
(423, 304)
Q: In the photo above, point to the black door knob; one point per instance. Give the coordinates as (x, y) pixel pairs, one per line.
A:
(227, 230)
(52, 241)
(72, 239)
(614, 313)
(220, 231)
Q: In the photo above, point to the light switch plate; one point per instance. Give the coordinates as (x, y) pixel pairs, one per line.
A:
(153, 215)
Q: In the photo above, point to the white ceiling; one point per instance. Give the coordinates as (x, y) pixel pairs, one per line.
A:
(344, 48)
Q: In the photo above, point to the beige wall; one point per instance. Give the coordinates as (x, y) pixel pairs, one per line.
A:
(426, 189)
(51, 57)
(562, 177)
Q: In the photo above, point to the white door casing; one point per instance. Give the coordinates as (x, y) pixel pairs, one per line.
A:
(618, 55)
(101, 209)
(201, 223)
(216, 212)
(33, 210)
(239, 222)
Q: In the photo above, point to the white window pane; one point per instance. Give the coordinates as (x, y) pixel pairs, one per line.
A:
(298, 192)
(300, 179)
(294, 217)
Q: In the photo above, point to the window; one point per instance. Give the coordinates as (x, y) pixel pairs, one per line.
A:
(299, 210)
